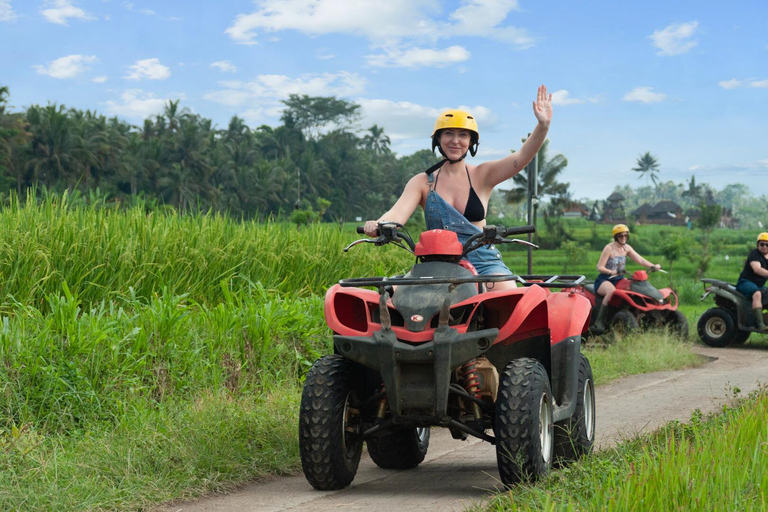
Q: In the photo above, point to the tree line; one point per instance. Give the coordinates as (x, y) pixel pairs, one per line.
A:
(313, 161)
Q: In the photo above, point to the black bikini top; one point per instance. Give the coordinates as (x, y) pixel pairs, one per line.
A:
(474, 211)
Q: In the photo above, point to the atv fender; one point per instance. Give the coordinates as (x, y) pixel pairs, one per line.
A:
(568, 315)
(529, 313)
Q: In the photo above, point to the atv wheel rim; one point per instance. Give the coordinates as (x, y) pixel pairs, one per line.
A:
(589, 410)
(545, 428)
(351, 429)
(715, 328)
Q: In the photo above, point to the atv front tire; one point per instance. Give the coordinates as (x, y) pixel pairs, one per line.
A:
(716, 327)
(523, 425)
(404, 448)
(575, 436)
(623, 322)
(741, 337)
(330, 431)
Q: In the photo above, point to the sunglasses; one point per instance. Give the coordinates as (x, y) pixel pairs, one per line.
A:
(623, 236)
(763, 244)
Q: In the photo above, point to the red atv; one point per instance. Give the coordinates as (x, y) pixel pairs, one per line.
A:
(637, 302)
(434, 348)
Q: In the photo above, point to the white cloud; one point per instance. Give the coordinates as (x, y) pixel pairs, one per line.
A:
(420, 57)
(563, 97)
(272, 88)
(405, 121)
(130, 7)
(6, 11)
(99, 79)
(136, 103)
(730, 84)
(377, 20)
(381, 22)
(66, 67)
(734, 83)
(225, 66)
(151, 69)
(59, 11)
(482, 18)
(675, 39)
(644, 95)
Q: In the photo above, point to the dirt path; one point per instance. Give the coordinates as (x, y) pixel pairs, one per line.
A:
(461, 473)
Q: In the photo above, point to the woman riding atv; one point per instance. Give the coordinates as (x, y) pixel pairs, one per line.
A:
(612, 265)
(752, 278)
(454, 194)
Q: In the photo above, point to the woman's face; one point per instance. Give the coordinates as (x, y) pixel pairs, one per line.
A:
(762, 246)
(455, 142)
(622, 237)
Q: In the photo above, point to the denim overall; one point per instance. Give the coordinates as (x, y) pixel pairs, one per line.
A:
(441, 215)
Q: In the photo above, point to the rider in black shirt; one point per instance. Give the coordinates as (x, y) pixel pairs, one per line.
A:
(752, 279)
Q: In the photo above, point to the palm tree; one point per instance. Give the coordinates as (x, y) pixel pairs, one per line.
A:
(376, 141)
(546, 174)
(647, 165)
(694, 191)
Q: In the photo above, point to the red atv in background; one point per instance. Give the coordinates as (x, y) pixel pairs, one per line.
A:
(636, 303)
(434, 348)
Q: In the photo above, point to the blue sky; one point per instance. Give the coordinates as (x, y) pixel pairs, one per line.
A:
(685, 80)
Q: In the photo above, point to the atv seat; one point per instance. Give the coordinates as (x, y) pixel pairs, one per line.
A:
(590, 288)
(727, 286)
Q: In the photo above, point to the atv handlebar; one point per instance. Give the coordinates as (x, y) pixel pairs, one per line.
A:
(390, 232)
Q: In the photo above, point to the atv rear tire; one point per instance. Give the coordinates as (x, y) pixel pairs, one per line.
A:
(523, 424)
(716, 327)
(404, 448)
(679, 324)
(575, 436)
(330, 432)
(623, 322)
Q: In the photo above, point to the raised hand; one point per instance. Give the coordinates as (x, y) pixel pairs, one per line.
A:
(542, 107)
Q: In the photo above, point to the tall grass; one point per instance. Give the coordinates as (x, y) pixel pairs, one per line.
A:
(672, 469)
(119, 255)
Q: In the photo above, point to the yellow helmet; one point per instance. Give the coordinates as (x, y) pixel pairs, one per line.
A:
(619, 228)
(460, 119)
(762, 237)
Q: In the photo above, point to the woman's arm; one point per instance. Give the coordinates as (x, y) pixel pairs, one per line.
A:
(497, 171)
(640, 260)
(404, 207)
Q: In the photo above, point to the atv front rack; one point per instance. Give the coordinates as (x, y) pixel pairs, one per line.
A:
(545, 281)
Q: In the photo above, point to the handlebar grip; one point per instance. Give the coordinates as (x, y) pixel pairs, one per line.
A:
(520, 230)
(360, 230)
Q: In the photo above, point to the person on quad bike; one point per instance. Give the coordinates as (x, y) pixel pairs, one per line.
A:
(454, 195)
(752, 278)
(612, 265)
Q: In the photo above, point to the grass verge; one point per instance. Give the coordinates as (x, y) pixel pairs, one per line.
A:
(671, 469)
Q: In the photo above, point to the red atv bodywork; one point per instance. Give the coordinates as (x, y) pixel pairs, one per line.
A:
(518, 314)
(625, 298)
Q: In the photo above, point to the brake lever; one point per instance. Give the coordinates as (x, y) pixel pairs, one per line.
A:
(518, 241)
(362, 241)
